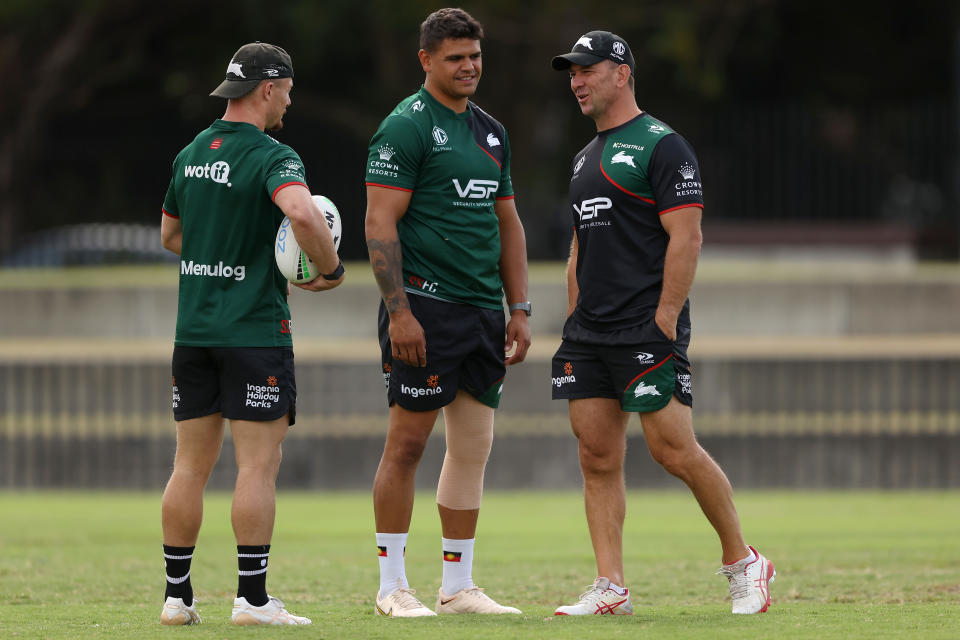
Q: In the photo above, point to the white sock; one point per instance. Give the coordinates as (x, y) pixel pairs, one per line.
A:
(457, 565)
(618, 589)
(391, 548)
(750, 558)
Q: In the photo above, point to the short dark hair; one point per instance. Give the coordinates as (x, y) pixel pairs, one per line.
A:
(448, 23)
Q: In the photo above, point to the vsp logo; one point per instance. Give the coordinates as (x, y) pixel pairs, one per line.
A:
(590, 208)
(478, 189)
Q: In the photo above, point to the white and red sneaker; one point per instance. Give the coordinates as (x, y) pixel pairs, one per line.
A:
(599, 599)
(750, 583)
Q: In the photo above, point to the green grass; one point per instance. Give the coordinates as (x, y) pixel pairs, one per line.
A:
(850, 565)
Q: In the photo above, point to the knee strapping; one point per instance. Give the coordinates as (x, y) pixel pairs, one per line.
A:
(469, 432)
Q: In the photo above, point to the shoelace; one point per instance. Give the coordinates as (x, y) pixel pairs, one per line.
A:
(592, 594)
(406, 599)
(739, 583)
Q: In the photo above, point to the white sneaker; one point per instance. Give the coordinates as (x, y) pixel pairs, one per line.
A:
(402, 604)
(750, 583)
(472, 600)
(176, 613)
(599, 599)
(273, 612)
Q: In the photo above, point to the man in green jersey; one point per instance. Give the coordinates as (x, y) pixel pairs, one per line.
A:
(635, 203)
(233, 353)
(445, 242)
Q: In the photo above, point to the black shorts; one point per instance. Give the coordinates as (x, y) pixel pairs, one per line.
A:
(242, 383)
(464, 351)
(641, 376)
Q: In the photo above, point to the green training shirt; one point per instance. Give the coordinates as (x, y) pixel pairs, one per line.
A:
(456, 165)
(223, 189)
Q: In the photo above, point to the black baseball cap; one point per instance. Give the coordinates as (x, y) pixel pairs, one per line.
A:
(249, 65)
(593, 47)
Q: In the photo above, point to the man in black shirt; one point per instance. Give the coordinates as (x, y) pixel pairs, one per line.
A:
(636, 203)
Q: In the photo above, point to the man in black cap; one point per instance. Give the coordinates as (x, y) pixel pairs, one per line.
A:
(233, 353)
(636, 202)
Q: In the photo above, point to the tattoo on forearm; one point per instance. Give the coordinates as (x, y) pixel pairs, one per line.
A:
(386, 258)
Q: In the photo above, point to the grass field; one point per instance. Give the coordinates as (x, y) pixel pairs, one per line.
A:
(850, 565)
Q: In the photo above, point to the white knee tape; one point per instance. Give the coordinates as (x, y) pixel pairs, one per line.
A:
(469, 429)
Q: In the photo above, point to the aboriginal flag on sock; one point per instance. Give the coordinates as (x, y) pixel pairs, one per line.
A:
(382, 551)
(451, 556)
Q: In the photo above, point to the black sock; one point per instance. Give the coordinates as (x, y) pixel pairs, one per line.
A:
(252, 565)
(177, 560)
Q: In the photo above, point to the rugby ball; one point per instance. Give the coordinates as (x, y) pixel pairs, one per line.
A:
(292, 262)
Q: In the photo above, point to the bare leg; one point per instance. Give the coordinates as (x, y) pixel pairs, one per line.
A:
(393, 486)
(601, 427)
(670, 438)
(198, 447)
(258, 451)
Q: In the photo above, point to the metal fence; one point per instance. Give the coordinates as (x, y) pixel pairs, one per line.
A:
(108, 423)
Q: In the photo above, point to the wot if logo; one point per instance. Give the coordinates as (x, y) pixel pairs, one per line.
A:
(219, 172)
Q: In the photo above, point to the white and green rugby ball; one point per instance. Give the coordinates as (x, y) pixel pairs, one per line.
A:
(292, 262)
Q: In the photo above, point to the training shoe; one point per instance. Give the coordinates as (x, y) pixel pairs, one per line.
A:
(599, 599)
(273, 612)
(472, 600)
(402, 604)
(750, 583)
(176, 613)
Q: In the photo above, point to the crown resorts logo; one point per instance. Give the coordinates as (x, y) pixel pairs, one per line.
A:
(386, 152)
(687, 171)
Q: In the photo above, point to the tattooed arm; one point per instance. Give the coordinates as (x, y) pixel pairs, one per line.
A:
(385, 207)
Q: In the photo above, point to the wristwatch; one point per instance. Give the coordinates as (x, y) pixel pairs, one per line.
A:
(521, 306)
(336, 272)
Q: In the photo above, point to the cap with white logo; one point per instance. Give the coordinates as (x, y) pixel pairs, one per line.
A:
(594, 47)
(249, 65)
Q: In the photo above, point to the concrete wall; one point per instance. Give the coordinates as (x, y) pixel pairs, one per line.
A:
(745, 299)
(524, 462)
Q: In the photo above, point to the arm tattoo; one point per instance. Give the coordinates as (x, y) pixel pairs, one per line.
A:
(386, 258)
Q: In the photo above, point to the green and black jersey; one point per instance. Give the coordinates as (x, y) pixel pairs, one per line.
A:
(456, 165)
(222, 190)
(622, 182)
